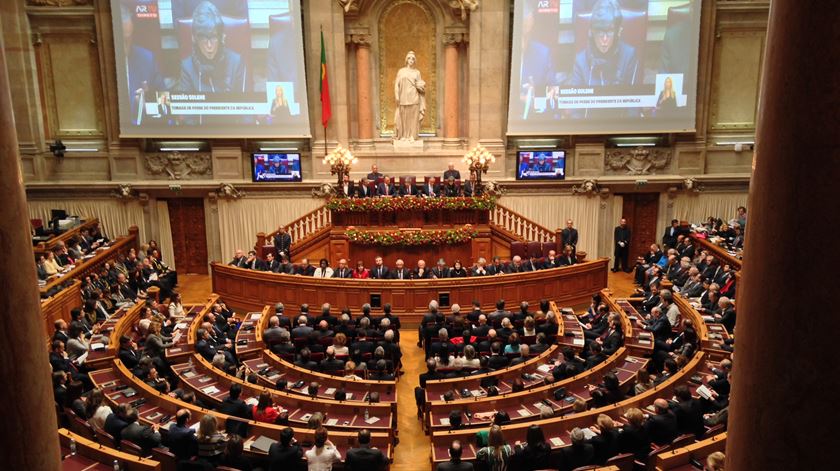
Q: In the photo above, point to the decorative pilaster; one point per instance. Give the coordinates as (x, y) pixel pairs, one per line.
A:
(451, 92)
(364, 107)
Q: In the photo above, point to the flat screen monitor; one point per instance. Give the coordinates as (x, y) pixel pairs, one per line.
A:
(541, 165)
(275, 167)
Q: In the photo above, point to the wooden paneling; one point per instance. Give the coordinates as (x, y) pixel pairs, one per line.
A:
(189, 240)
(736, 79)
(60, 305)
(251, 290)
(641, 210)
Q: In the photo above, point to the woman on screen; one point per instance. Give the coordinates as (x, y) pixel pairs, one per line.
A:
(280, 106)
(667, 101)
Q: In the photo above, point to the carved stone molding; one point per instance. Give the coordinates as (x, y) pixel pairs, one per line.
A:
(587, 188)
(638, 161)
(58, 3)
(324, 191)
(454, 39)
(461, 8)
(178, 166)
(124, 193)
(358, 39)
(229, 192)
(351, 7)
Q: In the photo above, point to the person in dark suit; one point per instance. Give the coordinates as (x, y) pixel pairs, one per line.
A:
(144, 436)
(431, 189)
(116, 422)
(421, 272)
(282, 243)
(669, 238)
(374, 173)
(236, 407)
(379, 270)
(305, 268)
(128, 353)
(688, 411)
(343, 271)
(472, 188)
(205, 346)
(364, 190)
(497, 268)
(449, 189)
(271, 264)
(536, 454)
(440, 270)
(606, 442)
(253, 262)
(634, 436)
(570, 234)
(613, 338)
(144, 77)
(408, 188)
(580, 453)
(726, 315)
(568, 257)
(286, 455)
(302, 330)
(364, 457)
(238, 259)
(621, 239)
(386, 188)
(180, 438)
(662, 427)
(347, 188)
(455, 463)
(400, 272)
(451, 173)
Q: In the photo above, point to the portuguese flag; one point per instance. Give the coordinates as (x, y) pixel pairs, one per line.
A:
(326, 109)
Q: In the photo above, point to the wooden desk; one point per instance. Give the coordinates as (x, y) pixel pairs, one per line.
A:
(681, 457)
(248, 342)
(120, 323)
(59, 306)
(252, 290)
(87, 266)
(91, 455)
(719, 252)
(112, 378)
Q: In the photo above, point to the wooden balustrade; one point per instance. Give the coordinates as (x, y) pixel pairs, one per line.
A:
(301, 228)
(48, 245)
(520, 225)
(721, 254)
(59, 306)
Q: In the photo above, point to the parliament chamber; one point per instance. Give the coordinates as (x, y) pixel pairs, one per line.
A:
(256, 226)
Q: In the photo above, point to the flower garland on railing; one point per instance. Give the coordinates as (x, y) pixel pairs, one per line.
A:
(460, 235)
(343, 205)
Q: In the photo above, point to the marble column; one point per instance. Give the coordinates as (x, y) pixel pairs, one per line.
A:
(451, 111)
(24, 366)
(786, 374)
(364, 107)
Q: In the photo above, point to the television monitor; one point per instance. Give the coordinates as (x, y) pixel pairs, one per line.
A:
(541, 165)
(275, 167)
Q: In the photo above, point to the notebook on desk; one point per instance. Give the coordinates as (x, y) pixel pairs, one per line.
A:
(262, 443)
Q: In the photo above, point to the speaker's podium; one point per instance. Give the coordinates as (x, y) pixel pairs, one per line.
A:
(410, 228)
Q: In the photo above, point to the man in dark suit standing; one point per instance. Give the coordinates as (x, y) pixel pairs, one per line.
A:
(669, 238)
(451, 173)
(282, 243)
(379, 270)
(386, 188)
(455, 463)
(374, 173)
(621, 239)
(570, 234)
(364, 458)
(431, 189)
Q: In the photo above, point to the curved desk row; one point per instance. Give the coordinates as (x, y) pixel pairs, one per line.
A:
(252, 290)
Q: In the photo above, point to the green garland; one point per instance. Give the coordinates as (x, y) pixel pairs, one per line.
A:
(343, 205)
(412, 238)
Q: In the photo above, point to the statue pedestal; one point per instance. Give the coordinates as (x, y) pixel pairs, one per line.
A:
(408, 146)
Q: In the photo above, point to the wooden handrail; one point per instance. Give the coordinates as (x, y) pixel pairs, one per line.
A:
(44, 247)
(105, 454)
(301, 228)
(520, 225)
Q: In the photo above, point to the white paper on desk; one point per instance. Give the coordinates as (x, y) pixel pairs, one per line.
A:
(195, 426)
(332, 421)
(97, 346)
(538, 405)
(477, 392)
(305, 417)
(544, 368)
(556, 441)
(189, 374)
(524, 412)
(349, 396)
(577, 341)
(181, 325)
(210, 390)
(329, 391)
(255, 316)
(371, 420)
(444, 421)
(80, 360)
(587, 433)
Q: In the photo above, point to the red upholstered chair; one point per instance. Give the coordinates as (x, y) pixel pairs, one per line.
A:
(518, 248)
(534, 249)
(633, 28)
(410, 178)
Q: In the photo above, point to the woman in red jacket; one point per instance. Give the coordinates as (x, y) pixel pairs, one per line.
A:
(361, 272)
(265, 410)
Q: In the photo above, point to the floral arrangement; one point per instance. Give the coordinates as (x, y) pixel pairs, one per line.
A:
(412, 238)
(478, 160)
(343, 205)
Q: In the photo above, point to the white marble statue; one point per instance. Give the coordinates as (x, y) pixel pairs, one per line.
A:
(409, 90)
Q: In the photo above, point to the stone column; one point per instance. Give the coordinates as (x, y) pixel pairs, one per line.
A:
(25, 366)
(786, 374)
(451, 112)
(363, 102)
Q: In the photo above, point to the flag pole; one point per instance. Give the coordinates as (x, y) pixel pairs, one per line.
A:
(322, 111)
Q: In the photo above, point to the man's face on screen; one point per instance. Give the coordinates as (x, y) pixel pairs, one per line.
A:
(208, 45)
(603, 40)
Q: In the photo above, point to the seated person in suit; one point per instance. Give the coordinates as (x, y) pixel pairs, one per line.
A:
(580, 453)
(479, 269)
(379, 270)
(455, 463)
(440, 270)
(421, 272)
(662, 426)
(386, 188)
(408, 188)
(343, 271)
(305, 268)
(472, 188)
(144, 436)
(568, 257)
(346, 189)
(457, 270)
(400, 272)
(364, 457)
(364, 190)
(180, 438)
(286, 454)
(450, 190)
(431, 189)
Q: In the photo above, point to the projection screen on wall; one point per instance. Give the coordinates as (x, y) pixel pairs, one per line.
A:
(603, 66)
(210, 68)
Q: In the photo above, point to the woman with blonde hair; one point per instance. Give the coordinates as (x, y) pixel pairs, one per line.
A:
(496, 455)
(176, 309)
(211, 442)
(340, 344)
(715, 461)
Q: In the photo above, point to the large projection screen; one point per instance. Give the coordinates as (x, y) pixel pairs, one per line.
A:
(210, 68)
(603, 66)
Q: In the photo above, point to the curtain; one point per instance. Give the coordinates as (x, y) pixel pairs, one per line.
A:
(164, 241)
(240, 220)
(552, 212)
(115, 216)
(696, 207)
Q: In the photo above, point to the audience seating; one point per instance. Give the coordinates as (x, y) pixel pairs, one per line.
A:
(91, 455)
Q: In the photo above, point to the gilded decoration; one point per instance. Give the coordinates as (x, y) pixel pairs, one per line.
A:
(57, 3)
(178, 166)
(407, 25)
(638, 161)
